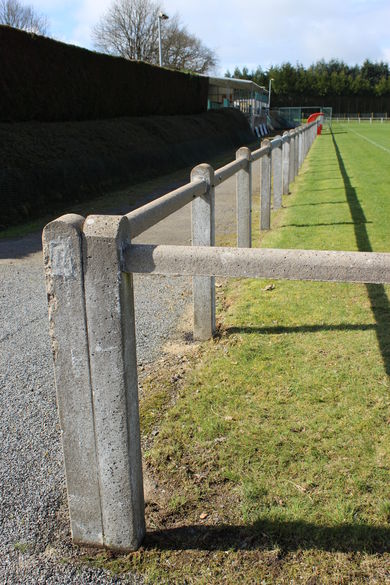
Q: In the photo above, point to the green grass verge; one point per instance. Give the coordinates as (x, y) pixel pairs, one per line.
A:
(273, 465)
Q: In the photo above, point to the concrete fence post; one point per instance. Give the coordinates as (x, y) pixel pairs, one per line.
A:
(277, 174)
(306, 136)
(291, 164)
(297, 141)
(286, 162)
(203, 234)
(244, 200)
(109, 306)
(308, 140)
(265, 187)
(62, 248)
(300, 160)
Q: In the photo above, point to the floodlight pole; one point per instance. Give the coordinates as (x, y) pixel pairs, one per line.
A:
(269, 91)
(161, 17)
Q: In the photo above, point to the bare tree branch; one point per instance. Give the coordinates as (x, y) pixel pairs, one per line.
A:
(129, 28)
(13, 13)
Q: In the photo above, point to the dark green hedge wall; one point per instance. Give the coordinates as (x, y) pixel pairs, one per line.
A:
(48, 167)
(45, 80)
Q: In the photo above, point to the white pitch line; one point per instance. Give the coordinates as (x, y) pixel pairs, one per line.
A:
(370, 141)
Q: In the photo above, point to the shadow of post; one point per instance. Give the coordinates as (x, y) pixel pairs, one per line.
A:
(379, 301)
(263, 534)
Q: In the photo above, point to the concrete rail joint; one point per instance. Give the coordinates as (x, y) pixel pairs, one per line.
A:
(276, 142)
(148, 215)
(264, 150)
(203, 234)
(229, 170)
(244, 199)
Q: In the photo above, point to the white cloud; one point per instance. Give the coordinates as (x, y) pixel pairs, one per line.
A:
(253, 33)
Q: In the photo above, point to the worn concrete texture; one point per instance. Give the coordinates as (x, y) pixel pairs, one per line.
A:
(109, 304)
(316, 265)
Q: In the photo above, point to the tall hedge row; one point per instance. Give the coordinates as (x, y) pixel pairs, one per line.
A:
(46, 168)
(45, 80)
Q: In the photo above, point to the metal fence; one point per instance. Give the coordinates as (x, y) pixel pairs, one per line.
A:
(298, 114)
(361, 118)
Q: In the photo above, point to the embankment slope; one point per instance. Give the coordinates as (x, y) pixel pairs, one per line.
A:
(48, 166)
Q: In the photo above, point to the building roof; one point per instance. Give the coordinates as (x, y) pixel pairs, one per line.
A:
(233, 83)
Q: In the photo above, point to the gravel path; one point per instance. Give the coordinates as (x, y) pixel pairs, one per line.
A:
(34, 529)
(34, 539)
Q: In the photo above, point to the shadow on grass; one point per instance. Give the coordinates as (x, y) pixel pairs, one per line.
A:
(320, 202)
(326, 133)
(305, 225)
(269, 534)
(281, 329)
(379, 301)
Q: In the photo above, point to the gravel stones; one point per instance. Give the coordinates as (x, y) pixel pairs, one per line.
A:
(34, 539)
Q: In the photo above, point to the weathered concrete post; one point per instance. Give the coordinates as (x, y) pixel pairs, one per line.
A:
(308, 143)
(297, 133)
(203, 234)
(265, 187)
(62, 248)
(113, 364)
(300, 155)
(286, 162)
(244, 200)
(291, 170)
(277, 172)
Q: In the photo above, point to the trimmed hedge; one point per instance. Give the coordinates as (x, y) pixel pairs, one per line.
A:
(45, 80)
(46, 168)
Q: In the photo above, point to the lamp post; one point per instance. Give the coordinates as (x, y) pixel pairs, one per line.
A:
(161, 17)
(269, 91)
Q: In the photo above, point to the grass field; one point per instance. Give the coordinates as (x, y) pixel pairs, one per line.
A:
(271, 451)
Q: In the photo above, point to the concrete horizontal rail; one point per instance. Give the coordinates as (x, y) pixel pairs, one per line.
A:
(276, 142)
(148, 215)
(318, 265)
(257, 154)
(229, 170)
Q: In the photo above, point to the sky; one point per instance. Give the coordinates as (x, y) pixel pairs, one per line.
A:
(253, 32)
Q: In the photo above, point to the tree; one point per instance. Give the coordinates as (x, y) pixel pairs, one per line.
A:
(13, 13)
(184, 51)
(129, 28)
